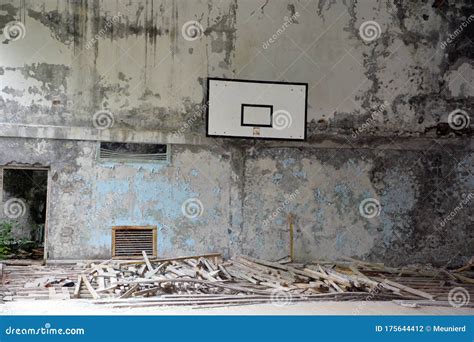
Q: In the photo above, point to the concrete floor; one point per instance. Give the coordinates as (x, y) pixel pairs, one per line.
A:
(84, 307)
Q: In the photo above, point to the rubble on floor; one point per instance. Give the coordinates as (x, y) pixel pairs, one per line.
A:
(208, 280)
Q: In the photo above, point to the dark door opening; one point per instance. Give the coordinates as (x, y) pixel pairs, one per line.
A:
(24, 211)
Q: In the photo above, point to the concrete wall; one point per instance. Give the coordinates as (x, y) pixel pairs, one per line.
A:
(378, 124)
(87, 197)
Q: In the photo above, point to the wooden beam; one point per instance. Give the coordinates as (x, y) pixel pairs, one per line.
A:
(211, 255)
(147, 261)
(129, 292)
(77, 289)
(409, 289)
(89, 287)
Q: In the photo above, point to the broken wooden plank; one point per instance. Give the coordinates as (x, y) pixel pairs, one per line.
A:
(408, 289)
(129, 292)
(89, 287)
(156, 270)
(147, 261)
(210, 255)
(77, 289)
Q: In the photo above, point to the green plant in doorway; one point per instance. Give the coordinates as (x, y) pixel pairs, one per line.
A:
(6, 239)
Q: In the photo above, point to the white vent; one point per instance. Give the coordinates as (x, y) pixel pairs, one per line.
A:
(127, 152)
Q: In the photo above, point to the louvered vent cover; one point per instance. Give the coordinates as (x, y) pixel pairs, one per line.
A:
(129, 152)
(130, 241)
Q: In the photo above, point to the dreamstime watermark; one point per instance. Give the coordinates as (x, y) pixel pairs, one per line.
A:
(452, 36)
(14, 208)
(458, 297)
(280, 297)
(370, 207)
(46, 330)
(458, 119)
(192, 208)
(371, 121)
(281, 119)
(461, 205)
(198, 113)
(288, 199)
(374, 292)
(280, 30)
(108, 24)
(103, 119)
(192, 30)
(370, 30)
(14, 30)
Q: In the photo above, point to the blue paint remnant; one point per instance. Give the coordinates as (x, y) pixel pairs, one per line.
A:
(288, 162)
(319, 215)
(141, 199)
(299, 174)
(142, 196)
(165, 242)
(281, 244)
(194, 173)
(101, 239)
(339, 241)
(139, 167)
(343, 193)
(319, 197)
(115, 186)
(277, 177)
(190, 243)
(396, 202)
(367, 194)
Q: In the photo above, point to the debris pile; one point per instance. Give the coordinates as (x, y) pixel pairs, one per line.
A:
(209, 281)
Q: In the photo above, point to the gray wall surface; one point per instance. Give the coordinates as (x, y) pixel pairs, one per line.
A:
(379, 124)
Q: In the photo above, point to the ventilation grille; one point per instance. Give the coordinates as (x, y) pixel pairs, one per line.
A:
(126, 152)
(130, 241)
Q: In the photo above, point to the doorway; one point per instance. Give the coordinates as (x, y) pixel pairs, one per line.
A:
(24, 199)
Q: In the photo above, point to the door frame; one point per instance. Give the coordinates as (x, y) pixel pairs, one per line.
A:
(48, 190)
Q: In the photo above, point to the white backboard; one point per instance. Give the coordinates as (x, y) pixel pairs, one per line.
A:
(256, 109)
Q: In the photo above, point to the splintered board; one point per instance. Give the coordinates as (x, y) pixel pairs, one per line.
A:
(256, 109)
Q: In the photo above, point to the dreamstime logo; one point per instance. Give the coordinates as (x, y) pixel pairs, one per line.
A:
(280, 30)
(371, 121)
(458, 119)
(370, 297)
(108, 24)
(192, 30)
(281, 298)
(103, 119)
(192, 208)
(461, 205)
(47, 329)
(288, 199)
(370, 208)
(14, 30)
(452, 36)
(198, 112)
(370, 30)
(458, 297)
(282, 119)
(14, 208)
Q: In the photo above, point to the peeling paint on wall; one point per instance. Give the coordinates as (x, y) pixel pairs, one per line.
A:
(76, 59)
